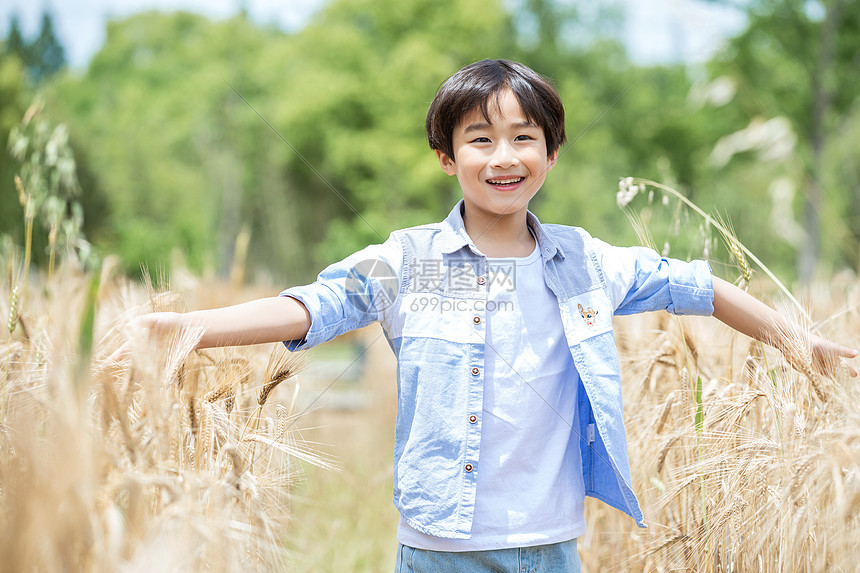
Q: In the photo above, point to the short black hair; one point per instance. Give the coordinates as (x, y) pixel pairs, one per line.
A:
(475, 85)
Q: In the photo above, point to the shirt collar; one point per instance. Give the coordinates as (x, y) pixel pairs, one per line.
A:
(456, 237)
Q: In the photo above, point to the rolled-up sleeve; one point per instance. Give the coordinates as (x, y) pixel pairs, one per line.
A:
(350, 294)
(640, 280)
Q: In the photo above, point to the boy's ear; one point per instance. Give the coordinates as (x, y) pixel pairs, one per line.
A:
(551, 159)
(446, 162)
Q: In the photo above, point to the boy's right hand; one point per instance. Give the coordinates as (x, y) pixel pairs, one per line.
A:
(144, 325)
(272, 319)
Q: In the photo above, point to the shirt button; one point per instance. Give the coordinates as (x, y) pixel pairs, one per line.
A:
(473, 418)
(476, 371)
(468, 467)
(481, 280)
(477, 320)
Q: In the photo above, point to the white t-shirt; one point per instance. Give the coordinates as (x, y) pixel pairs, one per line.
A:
(530, 489)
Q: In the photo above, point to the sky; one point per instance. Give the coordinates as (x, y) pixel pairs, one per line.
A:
(656, 31)
(662, 31)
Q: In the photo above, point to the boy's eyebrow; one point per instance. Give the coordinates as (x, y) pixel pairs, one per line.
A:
(476, 127)
(481, 126)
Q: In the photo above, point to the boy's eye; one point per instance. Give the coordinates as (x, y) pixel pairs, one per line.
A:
(524, 137)
(481, 140)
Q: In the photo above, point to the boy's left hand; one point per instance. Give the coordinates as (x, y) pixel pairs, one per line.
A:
(827, 356)
(752, 317)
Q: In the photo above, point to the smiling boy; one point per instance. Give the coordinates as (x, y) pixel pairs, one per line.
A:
(509, 400)
(502, 158)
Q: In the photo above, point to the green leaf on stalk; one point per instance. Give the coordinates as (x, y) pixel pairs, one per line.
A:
(699, 410)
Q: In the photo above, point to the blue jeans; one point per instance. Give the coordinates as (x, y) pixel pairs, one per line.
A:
(554, 558)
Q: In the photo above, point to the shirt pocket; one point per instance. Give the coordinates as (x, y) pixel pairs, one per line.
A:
(586, 315)
(432, 315)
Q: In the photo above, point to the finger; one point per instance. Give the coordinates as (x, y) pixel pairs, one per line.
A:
(847, 355)
(144, 321)
(833, 365)
(156, 322)
(841, 351)
(118, 357)
(837, 349)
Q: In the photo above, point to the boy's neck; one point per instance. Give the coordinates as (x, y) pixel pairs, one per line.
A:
(500, 236)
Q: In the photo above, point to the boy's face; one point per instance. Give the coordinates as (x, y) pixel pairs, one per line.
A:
(501, 164)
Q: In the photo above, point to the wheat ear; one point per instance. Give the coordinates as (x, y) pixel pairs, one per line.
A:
(725, 232)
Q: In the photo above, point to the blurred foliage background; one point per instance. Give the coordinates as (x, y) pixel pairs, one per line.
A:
(172, 129)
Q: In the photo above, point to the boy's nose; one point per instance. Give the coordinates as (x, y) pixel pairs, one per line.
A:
(504, 156)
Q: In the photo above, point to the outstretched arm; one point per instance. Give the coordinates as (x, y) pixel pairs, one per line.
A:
(272, 319)
(749, 316)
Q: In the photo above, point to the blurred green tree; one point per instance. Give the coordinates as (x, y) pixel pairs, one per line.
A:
(798, 60)
(367, 75)
(13, 97)
(158, 121)
(187, 163)
(14, 43)
(45, 55)
(227, 142)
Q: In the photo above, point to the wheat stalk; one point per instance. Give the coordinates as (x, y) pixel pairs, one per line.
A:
(637, 181)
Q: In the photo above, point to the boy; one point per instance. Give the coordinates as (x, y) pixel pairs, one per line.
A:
(509, 397)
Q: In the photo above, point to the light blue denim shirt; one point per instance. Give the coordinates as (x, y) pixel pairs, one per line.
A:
(428, 287)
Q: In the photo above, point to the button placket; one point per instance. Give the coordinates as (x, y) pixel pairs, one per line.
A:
(473, 440)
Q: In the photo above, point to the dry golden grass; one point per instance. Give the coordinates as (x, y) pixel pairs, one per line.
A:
(181, 462)
(770, 478)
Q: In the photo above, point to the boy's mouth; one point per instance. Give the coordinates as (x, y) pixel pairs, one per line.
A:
(505, 181)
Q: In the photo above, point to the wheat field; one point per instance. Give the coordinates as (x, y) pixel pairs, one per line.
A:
(741, 462)
(208, 460)
(179, 460)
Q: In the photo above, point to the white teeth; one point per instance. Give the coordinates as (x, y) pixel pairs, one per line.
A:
(505, 181)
